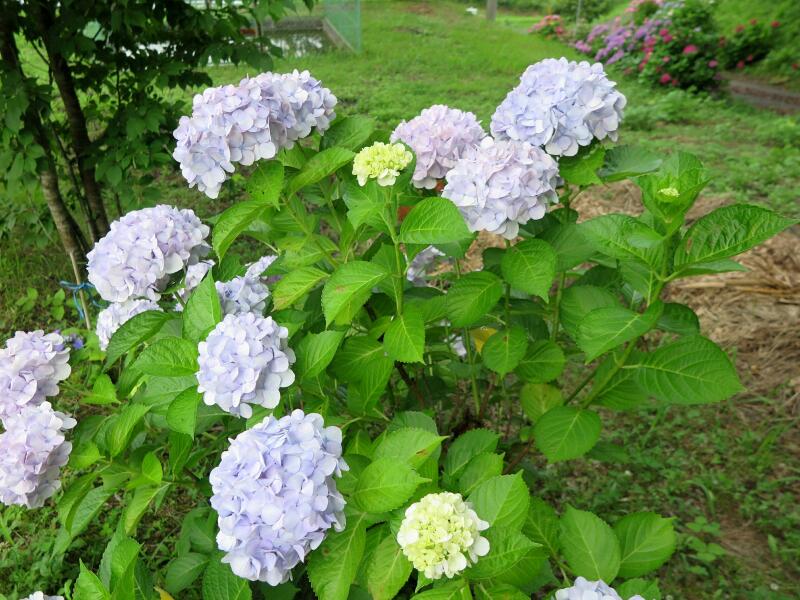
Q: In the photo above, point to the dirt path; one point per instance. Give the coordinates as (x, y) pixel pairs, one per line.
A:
(764, 95)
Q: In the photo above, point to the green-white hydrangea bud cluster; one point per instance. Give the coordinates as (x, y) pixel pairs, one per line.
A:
(382, 162)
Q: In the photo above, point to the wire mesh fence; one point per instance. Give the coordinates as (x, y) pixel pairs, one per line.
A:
(342, 22)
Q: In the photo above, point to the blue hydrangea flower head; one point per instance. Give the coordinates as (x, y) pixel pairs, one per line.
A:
(275, 495)
(115, 314)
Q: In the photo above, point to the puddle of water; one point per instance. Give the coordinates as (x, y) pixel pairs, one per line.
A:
(300, 42)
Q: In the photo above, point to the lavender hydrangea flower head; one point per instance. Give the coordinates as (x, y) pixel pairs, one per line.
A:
(114, 315)
(312, 103)
(275, 495)
(560, 105)
(590, 590)
(439, 136)
(257, 268)
(31, 366)
(194, 275)
(240, 295)
(41, 596)
(32, 452)
(143, 249)
(245, 360)
(417, 269)
(501, 185)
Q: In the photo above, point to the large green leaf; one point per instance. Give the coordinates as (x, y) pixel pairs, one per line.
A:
(455, 589)
(504, 350)
(542, 525)
(386, 484)
(538, 398)
(582, 168)
(566, 432)
(404, 339)
(296, 284)
(349, 288)
(138, 504)
(606, 328)
(646, 589)
(133, 332)
(530, 266)
(577, 301)
(219, 582)
(727, 231)
(366, 204)
(182, 411)
(471, 297)
(647, 541)
(691, 370)
(233, 221)
(434, 220)
(466, 447)
(625, 237)
(502, 501)
(333, 566)
(183, 571)
(121, 429)
(89, 587)
(507, 547)
(624, 162)
(543, 362)
(168, 357)
(315, 352)
(481, 468)
(266, 182)
(589, 545)
(350, 132)
(359, 356)
(411, 445)
(388, 570)
(321, 165)
(202, 312)
(670, 192)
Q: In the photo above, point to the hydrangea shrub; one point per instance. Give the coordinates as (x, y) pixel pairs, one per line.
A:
(361, 411)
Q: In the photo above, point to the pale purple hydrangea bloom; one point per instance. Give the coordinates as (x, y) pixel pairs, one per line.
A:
(194, 276)
(244, 123)
(417, 269)
(275, 495)
(115, 314)
(257, 268)
(501, 185)
(247, 293)
(590, 590)
(31, 366)
(439, 136)
(560, 105)
(244, 361)
(41, 596)
(32, 452)
(143, 249)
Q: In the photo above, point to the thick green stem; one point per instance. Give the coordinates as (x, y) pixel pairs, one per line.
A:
(557, 307)
(470, 360)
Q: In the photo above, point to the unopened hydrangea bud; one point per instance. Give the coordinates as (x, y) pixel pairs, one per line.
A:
(115, 314)
(439, 135)
(275, 495)
(560, 105)
(41, 596)
(382, 162)
(417, 269)
(143, 249)
(501, 185)
(590, 590)
(245, 360)
(32, 452)
(441, 536)
(31, 366)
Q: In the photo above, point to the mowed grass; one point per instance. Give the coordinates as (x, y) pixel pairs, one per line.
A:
(727, 473)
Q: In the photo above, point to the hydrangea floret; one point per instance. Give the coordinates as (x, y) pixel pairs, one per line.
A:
(584, 589)
(194, 275)
(439, 136)
(382, 162)
(244, 361)
(275, 495)
(501, 185)
(32, 452)
(560, 105)
(31, 366)
(115, 314)
(143, 249)
(418, 267)
(42, 596)
(441, 536)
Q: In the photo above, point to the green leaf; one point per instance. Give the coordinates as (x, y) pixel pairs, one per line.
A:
(538, 398)
(646, 589)
(84, 455)
(182, 411)
(202, 312)
(625, 162)
(501, 591)
(691, 370)
(542, 526)
(359, 356)
(151, 468)
(366, 204)
(86, 509)
(103, 391)
(388, 570)
(89, 587)
(232, 222)
(219, 582)
(410, 445)
(434, 220)
(481, 468)
(727, 231)
(315, 352)
(296, 284)
(466, 447)
(456, 589)
(544, 361)
(504, 350)
(507, 547)
(350, 132)
(133, 332)
(724, 265)
(582, 168)
(577, 301)
(386, 484)
(119, 433)
(502, 501)
(565, 432)
(404, 340)
(530, 266)
(137, 505)
(606, 328)
(647, 541)
(472, 297)
(332, 568)
(570, 245)
(266, 182)
(349, 288)
(168, 357)
(589, 545)
(671, 191)
(184, 571)
(678, 318)
(625, 237)
(323, 164)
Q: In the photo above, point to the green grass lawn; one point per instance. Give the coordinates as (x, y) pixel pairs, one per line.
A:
(730, 482)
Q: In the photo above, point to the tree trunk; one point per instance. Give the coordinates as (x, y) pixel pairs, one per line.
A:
(71, 236)
(491, 10)
(62, 74)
